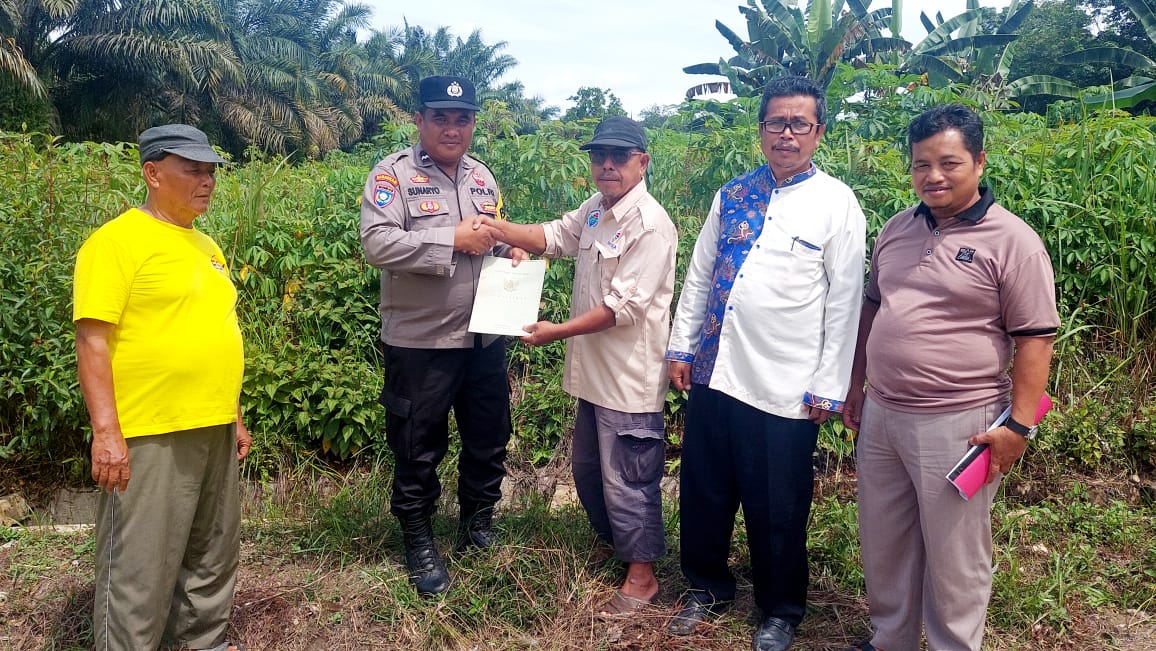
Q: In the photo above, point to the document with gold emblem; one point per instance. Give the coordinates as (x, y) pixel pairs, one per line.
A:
(508, 296)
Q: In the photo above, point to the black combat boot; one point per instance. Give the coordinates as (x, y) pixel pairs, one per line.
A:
(427, 570)
(476, 527)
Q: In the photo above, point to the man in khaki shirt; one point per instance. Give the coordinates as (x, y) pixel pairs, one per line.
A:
(625, 245)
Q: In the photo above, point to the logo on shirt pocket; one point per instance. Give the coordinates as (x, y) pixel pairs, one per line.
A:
(430, 207)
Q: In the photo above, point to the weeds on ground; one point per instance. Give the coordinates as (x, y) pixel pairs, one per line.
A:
(322, 568)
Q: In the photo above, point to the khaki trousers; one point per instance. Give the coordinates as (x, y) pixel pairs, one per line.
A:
(926, 552)
(167, 547)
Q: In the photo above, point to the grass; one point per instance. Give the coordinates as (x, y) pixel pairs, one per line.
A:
(321, 568)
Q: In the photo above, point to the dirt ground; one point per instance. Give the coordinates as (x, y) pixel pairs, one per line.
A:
(290, 600)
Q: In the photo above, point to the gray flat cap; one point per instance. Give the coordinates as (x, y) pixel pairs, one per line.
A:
(180, 139)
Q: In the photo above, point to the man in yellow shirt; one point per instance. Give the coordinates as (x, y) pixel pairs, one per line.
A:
(160, 361)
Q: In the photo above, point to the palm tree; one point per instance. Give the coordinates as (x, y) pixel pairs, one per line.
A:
(782, 40)
(480, 63)
(306, 86)
(18, 21)
(120, 67)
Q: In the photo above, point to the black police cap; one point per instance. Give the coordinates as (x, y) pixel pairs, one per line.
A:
(448, 91)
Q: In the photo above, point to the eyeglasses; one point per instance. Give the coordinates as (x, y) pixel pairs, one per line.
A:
(619, 156)
(778, 126)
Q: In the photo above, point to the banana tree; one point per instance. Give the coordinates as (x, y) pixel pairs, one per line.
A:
(783, 40)
(1141, 85)
(960, 51)
(1126, 93)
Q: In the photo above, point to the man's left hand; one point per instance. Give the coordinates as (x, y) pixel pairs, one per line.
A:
(1006, 447)
(817, 415)
(244, 441)
(540, 333)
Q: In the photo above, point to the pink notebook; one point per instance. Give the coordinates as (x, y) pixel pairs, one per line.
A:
(969, 472)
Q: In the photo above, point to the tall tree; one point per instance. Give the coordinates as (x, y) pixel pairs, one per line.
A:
(1117, 25)
(1055, 28)
(782, 40)
(593, 103)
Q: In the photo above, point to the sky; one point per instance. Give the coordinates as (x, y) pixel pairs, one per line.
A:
(634, 48)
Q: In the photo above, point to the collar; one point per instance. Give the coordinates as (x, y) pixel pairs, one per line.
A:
(973, 213)
(628, 200)
(423, 159)
(794, 179)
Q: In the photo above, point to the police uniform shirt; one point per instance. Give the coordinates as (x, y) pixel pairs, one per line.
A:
(409, 210)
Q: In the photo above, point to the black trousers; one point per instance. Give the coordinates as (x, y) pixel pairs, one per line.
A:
(734, 454)
(421, 386)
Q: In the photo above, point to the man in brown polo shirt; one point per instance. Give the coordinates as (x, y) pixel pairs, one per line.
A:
(959, 288)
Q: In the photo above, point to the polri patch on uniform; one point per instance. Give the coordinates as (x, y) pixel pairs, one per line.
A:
(593, 217)
(383, 194)
(489, 207)
(478, 178)
(429, 206)
(419, 178)
(385, 178)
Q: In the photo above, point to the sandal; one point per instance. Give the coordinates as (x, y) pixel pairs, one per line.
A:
(622, 604)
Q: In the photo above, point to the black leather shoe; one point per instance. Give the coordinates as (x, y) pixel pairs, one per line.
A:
(476, 529)
(427, 570)
(695, 607)
(773, 635)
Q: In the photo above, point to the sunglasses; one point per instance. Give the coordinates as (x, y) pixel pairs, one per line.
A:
(619, 156)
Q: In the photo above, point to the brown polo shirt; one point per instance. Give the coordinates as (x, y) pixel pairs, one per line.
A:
(951, 298)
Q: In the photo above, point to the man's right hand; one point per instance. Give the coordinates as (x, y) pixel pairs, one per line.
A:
(110, 466)
(679, 373)
(853, 406)
(474, 239)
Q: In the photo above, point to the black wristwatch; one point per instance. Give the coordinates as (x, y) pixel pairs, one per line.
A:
(1028, 433)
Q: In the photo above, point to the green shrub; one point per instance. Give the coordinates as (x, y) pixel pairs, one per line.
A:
(308, 300)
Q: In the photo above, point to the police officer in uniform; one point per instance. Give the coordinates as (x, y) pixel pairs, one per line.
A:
(417, 212)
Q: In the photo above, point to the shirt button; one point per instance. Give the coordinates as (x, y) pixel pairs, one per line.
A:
(937, 233)
(928, 251)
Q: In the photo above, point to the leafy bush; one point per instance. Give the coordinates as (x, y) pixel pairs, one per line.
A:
(308, 300)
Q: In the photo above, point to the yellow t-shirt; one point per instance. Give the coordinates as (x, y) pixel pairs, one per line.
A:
(177, 357)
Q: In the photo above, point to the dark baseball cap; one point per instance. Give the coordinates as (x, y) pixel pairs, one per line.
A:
(617, 131)
(448, 91)
(180, 139)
